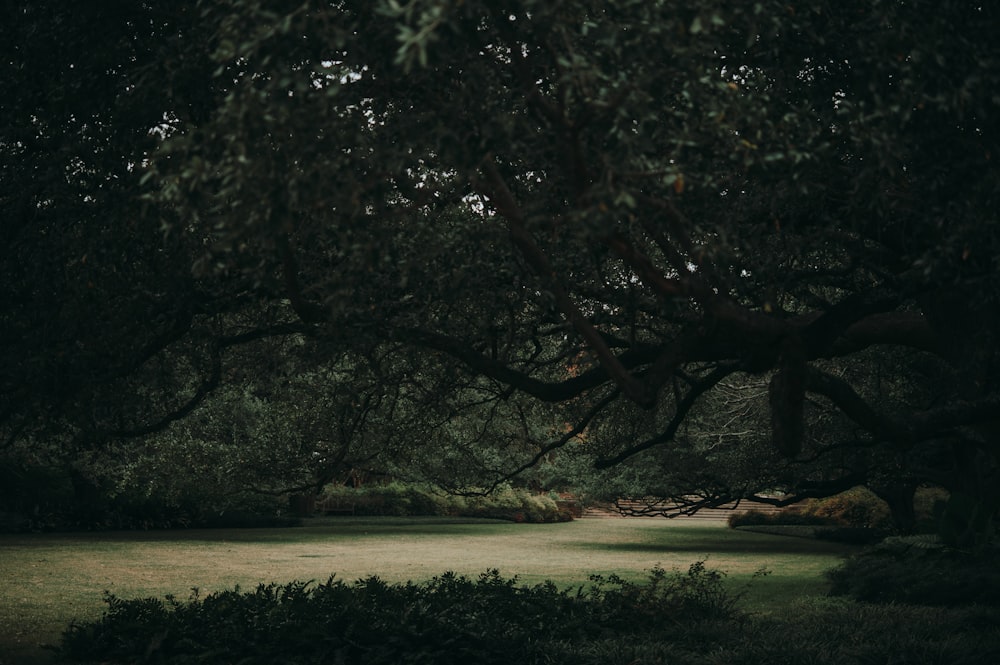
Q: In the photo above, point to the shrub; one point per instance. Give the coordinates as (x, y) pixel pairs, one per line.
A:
(918, 570)
(450, 619)
(405, 499)
(784, 518)
(850, 535)
(834, 631)
(857, 507)
(681, 618)
(700, 593)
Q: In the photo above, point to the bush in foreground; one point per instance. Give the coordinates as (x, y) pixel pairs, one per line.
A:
(450, 619)
(919, 571)
(680, 618)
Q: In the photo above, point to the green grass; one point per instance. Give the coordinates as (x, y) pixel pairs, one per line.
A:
(47, 580)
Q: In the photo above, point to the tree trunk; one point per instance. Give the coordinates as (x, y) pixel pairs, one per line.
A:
(900, 499)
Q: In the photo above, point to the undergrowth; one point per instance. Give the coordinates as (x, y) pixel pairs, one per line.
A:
(919, 571)
(450, 619)
(410, 499)
(675, 617)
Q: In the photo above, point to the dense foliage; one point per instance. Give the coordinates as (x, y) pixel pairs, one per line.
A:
(856, 508)
(688, 618)
(919, 571)
(450, 619)
(410, 499)
(734, 247)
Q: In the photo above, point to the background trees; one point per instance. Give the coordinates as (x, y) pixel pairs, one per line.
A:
(626, 211)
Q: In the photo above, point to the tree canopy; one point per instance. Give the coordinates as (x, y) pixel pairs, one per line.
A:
(622, 213)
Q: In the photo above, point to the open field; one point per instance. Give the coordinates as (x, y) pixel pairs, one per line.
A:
(47, 580)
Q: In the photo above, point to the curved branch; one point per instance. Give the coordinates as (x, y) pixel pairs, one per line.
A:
(210, 382)
(497, 192)
(901, 328)
(844, 397)
(916, 427)
(563, 440)
(651, 276)
(494, 369)
(821, 333)
(683, 408)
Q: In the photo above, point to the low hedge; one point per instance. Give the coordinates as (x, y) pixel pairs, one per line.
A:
(404, 499)
(919, 570)
(450, 619)
(681, 618)
(856, 508)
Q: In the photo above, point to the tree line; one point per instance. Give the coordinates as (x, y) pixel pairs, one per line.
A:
(713, 251)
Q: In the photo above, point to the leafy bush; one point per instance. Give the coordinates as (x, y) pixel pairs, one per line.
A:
(857, 507)
(850, 535)
(450, 619)
(920, 571)
(405, 499)
(678, 618)
(698, 594)
(835, 631)
(784, 518)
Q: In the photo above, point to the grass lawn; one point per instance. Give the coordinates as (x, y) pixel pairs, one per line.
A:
(47, 580)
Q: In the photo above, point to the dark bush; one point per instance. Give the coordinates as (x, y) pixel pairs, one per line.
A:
(835, 631)
(851, 535)
(917, 571)
(451, 619)
(238, 519)
(857, 507)
(677, 618)
(784, 518)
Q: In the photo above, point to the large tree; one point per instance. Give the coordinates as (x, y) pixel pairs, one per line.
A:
(617, 207)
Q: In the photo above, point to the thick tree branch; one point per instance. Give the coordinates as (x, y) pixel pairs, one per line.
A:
(851, 404)
(650, 275)
(900, 328)
(544, 390)
(496, 190)
(821, 333)
(916, 427)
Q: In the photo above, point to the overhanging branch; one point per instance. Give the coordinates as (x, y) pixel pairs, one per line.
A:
(496, 190)
(210, 382)
(915, 427)
(546, 391)
(683, 408)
